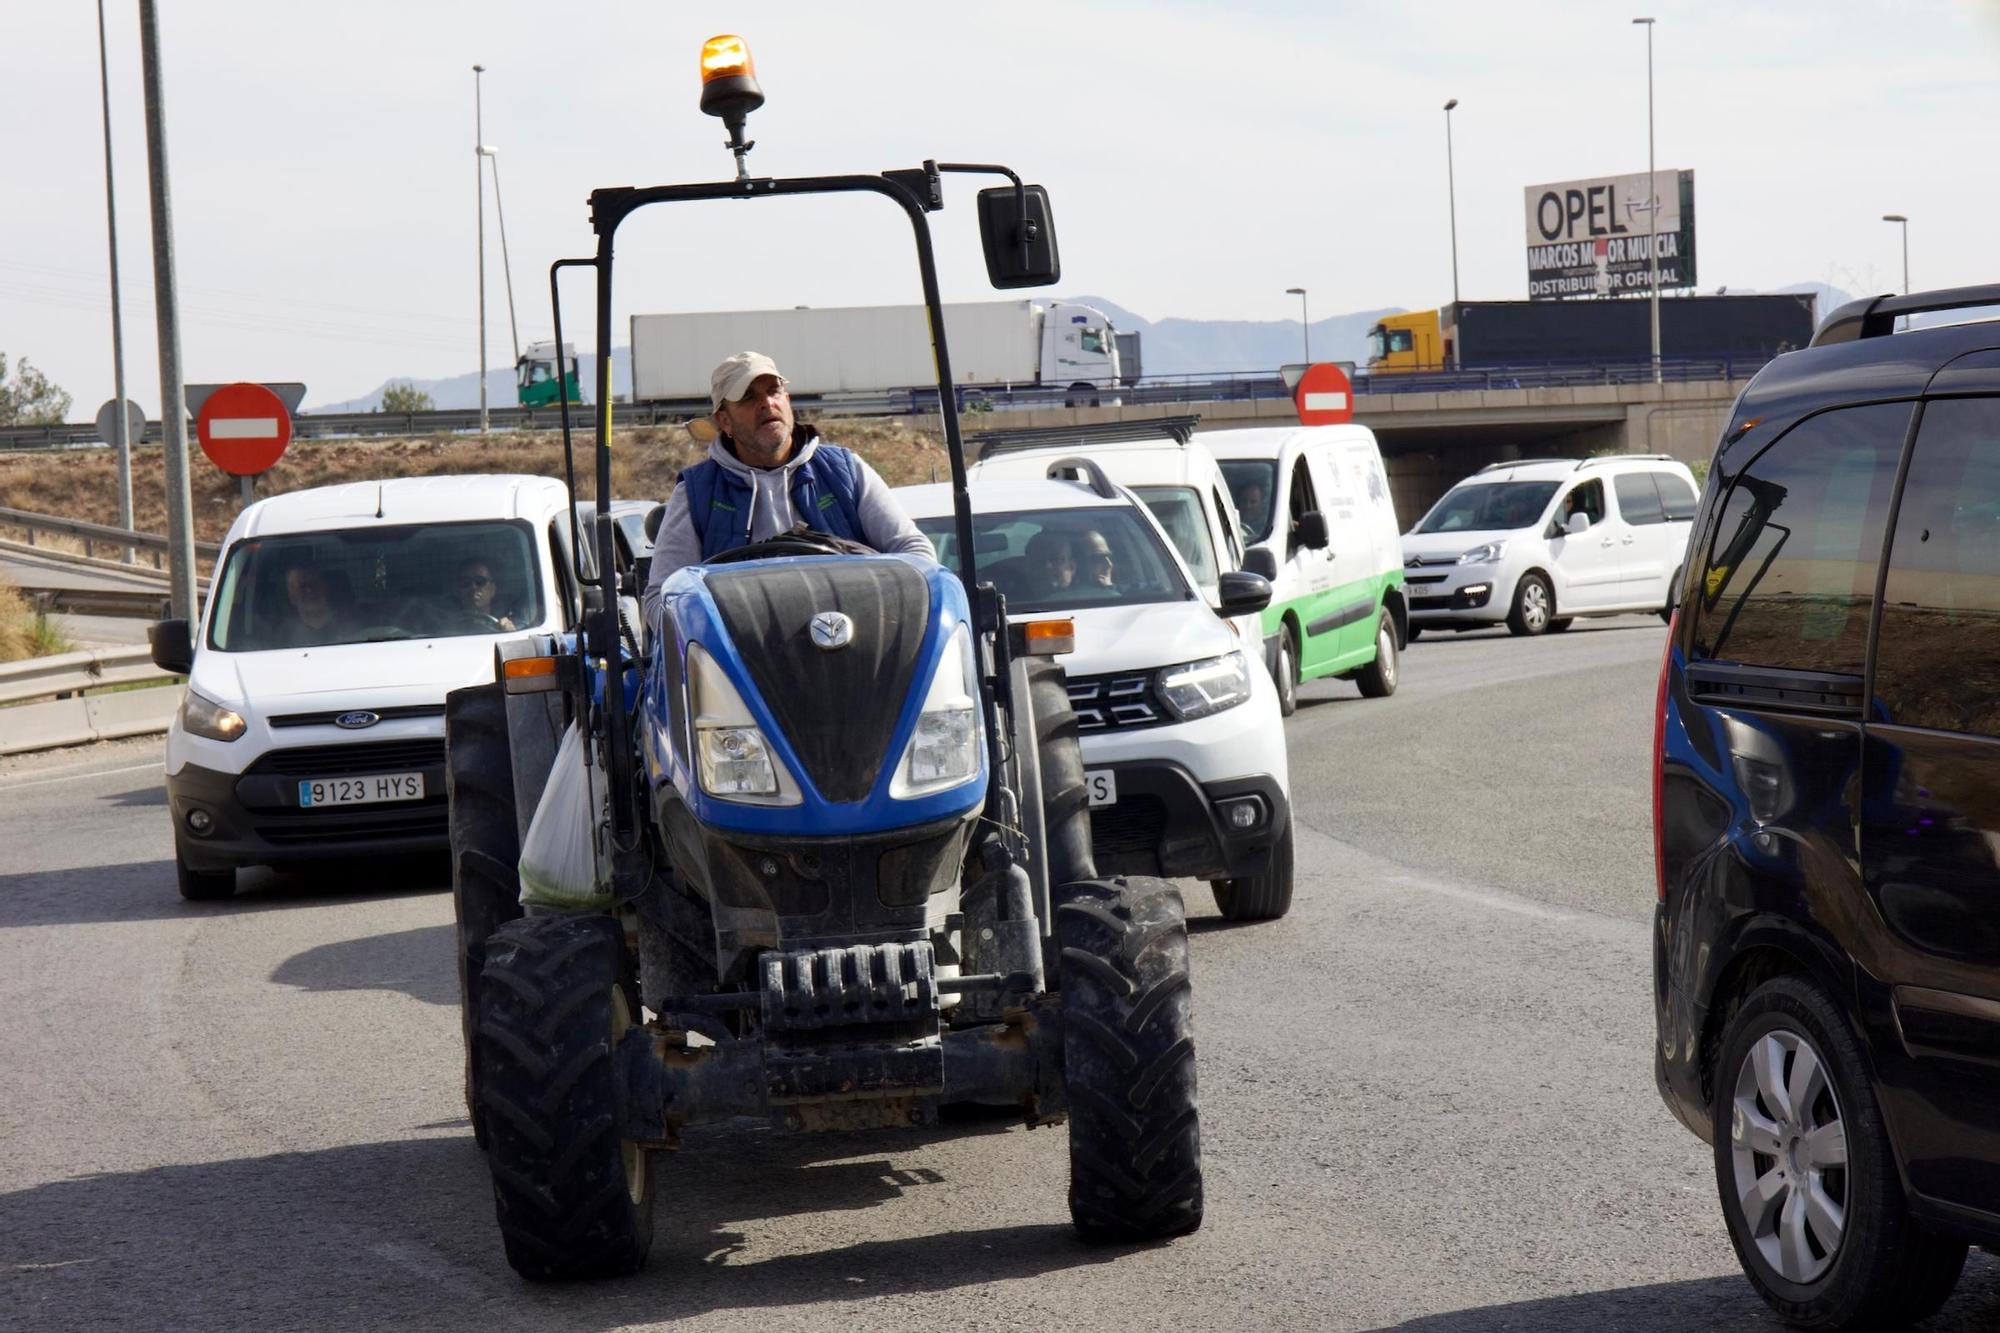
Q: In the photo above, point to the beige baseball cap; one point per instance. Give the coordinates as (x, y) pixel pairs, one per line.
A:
(733, 378)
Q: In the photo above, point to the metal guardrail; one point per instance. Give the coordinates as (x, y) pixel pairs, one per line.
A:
(1200, 387)
(92, 533)
(43, 703)
(137, 603)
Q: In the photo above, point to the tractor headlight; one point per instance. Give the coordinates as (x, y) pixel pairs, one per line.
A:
(202, 716)
(1198, 689)
(944, 750)
(732, 755)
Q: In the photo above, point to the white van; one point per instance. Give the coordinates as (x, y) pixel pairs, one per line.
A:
(1321, 526)
(338, 621)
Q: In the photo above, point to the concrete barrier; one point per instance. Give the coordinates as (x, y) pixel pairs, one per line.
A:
(50, 709)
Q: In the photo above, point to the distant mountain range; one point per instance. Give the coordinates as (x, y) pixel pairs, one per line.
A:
(1170, 346)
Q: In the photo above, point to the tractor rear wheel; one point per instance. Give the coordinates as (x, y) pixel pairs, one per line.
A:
(574, 1200)
(1128, 1060)
(485, 850)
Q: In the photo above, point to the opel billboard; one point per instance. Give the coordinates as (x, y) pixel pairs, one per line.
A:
(1594, 237)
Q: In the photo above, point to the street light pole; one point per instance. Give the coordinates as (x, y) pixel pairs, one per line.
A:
(492, 154)
(1653, 196)
(123, 430)
(479, 166)
(1903, 222)
(1451, 187)
(1305, 323)
(167, 316)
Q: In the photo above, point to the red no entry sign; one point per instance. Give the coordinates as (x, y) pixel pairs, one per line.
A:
(1324, 396)
(243, 428)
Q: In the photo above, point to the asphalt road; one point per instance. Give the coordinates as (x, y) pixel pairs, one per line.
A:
(1427, 1094)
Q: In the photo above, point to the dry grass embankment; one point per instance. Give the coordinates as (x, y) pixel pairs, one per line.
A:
(24, 632)
(83, 483)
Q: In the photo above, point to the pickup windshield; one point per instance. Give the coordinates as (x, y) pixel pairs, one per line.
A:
(428, 581)
(1067, 559)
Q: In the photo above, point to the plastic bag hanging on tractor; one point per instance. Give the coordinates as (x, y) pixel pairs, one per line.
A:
(560, 867)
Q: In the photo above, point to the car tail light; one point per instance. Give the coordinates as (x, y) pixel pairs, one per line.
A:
(1660, 757)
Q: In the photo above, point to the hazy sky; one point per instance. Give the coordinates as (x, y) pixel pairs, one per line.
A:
(1202, 158)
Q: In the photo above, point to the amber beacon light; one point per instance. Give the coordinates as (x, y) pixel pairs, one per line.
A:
(729, 90)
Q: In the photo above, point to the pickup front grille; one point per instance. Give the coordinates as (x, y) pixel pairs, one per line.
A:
(1116, 702)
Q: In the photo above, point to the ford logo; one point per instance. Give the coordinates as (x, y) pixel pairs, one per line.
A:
(356, 720)
(831, 630)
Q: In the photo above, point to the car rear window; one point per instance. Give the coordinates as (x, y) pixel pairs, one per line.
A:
(1790, 568)
(1676, 496)
(1937, 656)
(1638, 499)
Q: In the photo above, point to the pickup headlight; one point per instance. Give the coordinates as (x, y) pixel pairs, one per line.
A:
(732, 756)
(1482, 555)
(202, 716)
(944, 749)
(1198, 689)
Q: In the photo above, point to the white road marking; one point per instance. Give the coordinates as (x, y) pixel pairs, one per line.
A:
(84, 773)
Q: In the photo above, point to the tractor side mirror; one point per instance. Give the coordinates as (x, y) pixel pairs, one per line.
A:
(1260, 561)
(1243, 592)
(1018, 233)
(173, 646)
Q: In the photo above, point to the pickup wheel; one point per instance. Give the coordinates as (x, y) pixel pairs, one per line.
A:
(1264, 897)
(573, 1199)
(1378, 679)
(485, 851)
(1128, 1061)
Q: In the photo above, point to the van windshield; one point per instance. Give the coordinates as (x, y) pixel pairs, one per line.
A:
(1066, 559)
(1250, 483)
(1178, 510)
(1489, 506)
(419, 581)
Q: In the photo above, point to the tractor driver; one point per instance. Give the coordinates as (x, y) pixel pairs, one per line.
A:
(766, 474)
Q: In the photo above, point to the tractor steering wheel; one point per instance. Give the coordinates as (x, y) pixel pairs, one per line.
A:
(790, 543)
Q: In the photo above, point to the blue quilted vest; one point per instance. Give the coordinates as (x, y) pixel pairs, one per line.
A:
(826, 497)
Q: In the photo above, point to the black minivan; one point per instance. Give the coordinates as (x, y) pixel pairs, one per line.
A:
(1826, 811)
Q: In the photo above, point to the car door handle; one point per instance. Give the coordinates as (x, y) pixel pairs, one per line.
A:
(1626, 540)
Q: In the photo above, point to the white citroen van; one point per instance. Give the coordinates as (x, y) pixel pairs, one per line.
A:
(338, 620)
(1321, 526)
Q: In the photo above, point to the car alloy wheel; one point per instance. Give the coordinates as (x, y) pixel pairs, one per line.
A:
(1788, 1150)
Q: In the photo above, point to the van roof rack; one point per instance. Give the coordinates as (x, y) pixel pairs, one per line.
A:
(1583, 463)
(1093, 475)
(1521, 462)
(1875, 316)
(991, 442)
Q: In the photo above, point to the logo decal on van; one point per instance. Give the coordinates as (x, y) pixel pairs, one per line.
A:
(356, 720)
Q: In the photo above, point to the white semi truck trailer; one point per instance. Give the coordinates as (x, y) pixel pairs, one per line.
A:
(833, 352)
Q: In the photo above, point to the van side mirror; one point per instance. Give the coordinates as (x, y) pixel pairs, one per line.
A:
(1310, 531)
(1243, 592)
(1260, 561)
(172, 642)
(1577, 524)
(1018, 233)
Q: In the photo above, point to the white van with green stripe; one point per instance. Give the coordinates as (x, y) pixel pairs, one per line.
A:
(1320, 524)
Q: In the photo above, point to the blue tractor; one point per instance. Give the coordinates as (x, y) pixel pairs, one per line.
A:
(845, 840)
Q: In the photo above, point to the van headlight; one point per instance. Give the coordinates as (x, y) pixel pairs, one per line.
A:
(732, 756)
(944, 748)
(1481, 555)
(203, 716)
(1197, 689)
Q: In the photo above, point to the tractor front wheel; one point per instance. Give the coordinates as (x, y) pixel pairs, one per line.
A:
(574, 1199)
(1128, 1060)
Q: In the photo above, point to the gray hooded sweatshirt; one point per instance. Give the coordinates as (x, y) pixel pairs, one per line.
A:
(884, 525)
